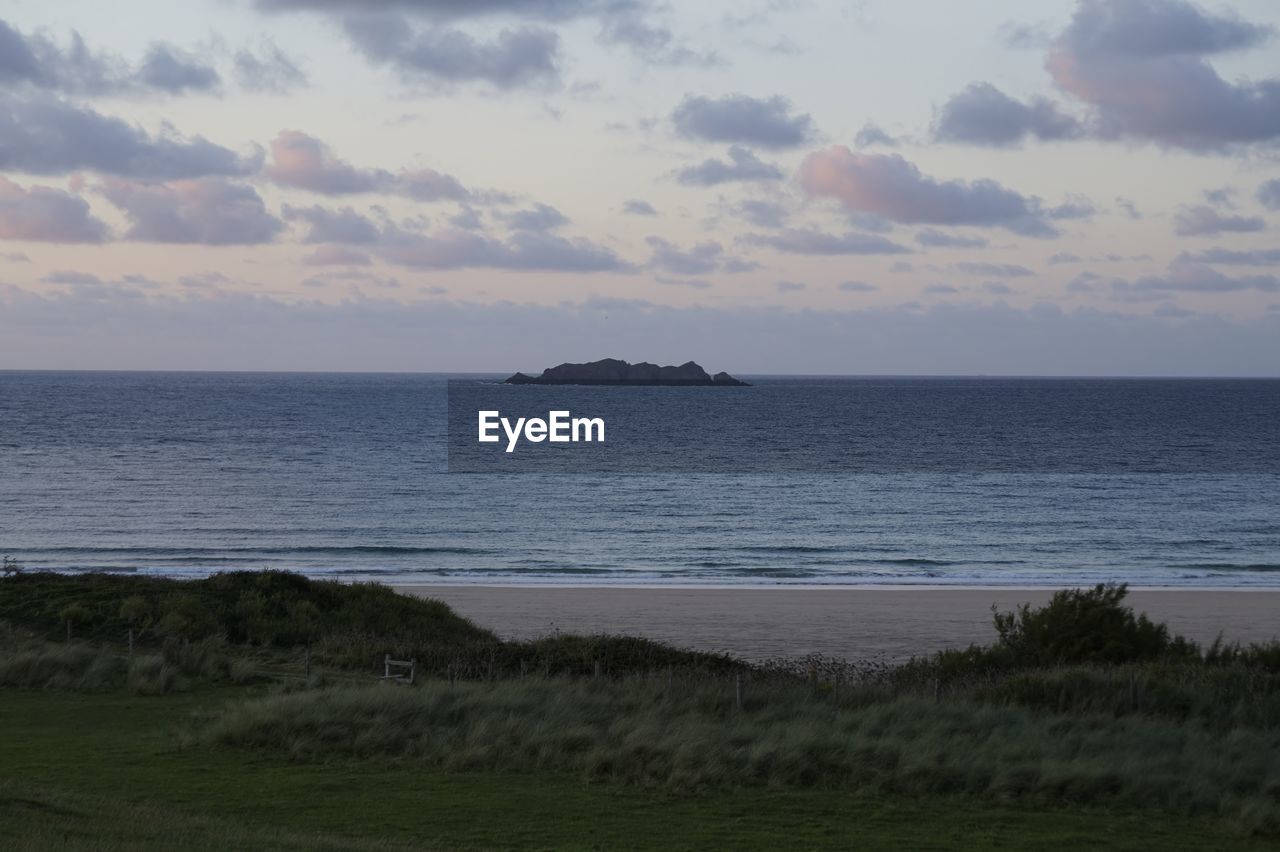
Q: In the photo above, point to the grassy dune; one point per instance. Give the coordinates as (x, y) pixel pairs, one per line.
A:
(1079, 710)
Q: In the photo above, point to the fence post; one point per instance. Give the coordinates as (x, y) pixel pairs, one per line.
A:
(306, 662)
(937, 691)
(737, 690)
(413, 669)
(131, 643)
(386, 666)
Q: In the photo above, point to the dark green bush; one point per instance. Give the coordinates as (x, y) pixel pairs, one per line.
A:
(1085, 626)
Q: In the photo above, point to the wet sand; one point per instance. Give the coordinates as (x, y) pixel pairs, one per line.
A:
(854, 623)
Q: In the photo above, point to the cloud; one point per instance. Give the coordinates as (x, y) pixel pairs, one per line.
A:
(763, 214)
(1269, 194)
(336, 256)
(1223, 196)
(856, 287)
(456, 247)
(940, 290)
(542, 217)
(633, 24)
(692, 283)
(983, 115)
(1080, 208)
(268, 69)
(1233, 257)
(523, 251)
(638, 207)
(934, 238)
(789, 286)
(998, 288)
(343, 226)
(1140, 65)
(1203, 221)
(652, 42)
(811, 241)
(742, 166)
(699, 260)
(1022, 36)
(44, 214)
(208, 211)
(1064, 257)
(546, 10)
(740, 119)
(871, 134)
(40, 134)
(888, 185)
(168, 69)
(994, 270)
(220, 330)
(431, 185)
(1103, 29)
(526, 56)
(39, 62)
(305, 162)
(1184, 276)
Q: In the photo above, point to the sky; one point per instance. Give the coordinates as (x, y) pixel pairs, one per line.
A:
(768, 186)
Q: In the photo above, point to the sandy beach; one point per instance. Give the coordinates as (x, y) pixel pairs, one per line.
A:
(855, 623)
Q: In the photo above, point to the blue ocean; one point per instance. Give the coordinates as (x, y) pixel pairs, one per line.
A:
(795, 480)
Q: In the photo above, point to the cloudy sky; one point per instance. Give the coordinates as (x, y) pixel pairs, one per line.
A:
(1032, 187)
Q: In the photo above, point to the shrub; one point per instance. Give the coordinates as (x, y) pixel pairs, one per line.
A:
(1085, 626)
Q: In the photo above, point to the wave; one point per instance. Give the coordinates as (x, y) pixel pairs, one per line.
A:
(214, 553)
(1255, 567)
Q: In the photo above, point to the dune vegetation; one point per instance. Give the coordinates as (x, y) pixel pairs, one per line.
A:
(1079, 704)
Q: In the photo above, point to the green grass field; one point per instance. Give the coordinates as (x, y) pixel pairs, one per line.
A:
(108, 771)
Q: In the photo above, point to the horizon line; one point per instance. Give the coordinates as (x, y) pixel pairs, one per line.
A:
(1099, 376)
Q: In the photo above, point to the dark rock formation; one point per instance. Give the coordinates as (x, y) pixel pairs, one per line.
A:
(611, 371)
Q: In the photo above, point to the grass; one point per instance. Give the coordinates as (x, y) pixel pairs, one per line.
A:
(1080, 720)
(104, 771)
(694, 737)
(345, 626)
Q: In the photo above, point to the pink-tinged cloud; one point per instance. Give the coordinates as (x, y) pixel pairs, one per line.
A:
(305, 162)
(44, 214)
(889, 186)
(209, 211)
(1140, 64)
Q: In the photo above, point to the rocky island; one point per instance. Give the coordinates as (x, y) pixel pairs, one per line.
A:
(611, 371)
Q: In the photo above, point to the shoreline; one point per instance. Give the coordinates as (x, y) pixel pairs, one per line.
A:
(850, 622)
(407, 587)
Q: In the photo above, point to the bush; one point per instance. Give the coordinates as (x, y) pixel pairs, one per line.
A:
(1085, 626)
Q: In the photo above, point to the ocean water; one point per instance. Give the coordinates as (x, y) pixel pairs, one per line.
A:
(796, 480)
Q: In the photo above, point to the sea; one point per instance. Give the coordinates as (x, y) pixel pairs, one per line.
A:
(812, 481)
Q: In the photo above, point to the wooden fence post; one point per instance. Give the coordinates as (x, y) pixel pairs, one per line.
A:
(737, 690)
(386, 666)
